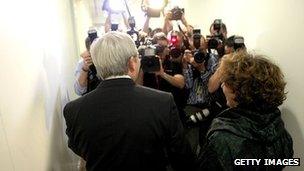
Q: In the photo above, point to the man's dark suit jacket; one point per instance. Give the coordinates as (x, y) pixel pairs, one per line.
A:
(122, 126)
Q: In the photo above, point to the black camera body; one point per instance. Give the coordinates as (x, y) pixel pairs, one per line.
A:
(177, 13)
(199, 56)
(197, 38)
(214, 42)
(92, 34)
(149, 61)
(175, 52)
(236, 42)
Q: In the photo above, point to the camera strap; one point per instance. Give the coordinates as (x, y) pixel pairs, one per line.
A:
(185, 38)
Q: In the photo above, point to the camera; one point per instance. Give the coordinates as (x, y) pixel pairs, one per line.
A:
(175, 52)
(217, 25)
(92, 34)
(196, 115)
(149, 60)
(197, 38)
(213, 42)
(216, 40)
(177, 13)
(237, 42)
(199, 56)
(132, 32)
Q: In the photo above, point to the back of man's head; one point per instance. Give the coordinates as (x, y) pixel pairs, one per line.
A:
(111, 53)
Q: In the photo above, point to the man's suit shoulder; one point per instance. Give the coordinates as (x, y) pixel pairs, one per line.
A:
(72, 106)
(153, 92)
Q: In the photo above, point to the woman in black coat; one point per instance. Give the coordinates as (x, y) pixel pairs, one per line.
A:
(252, 127)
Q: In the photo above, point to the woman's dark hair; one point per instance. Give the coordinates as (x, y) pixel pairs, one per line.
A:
(257, 82)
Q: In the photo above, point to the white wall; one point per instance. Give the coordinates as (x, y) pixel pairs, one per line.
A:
(38, 53)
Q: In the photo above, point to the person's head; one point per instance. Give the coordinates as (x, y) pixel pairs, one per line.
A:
(156, 30)
(161, 40)
(222, 30)
(234, 43)
(175, 39)
(252, 81)
(115, 54)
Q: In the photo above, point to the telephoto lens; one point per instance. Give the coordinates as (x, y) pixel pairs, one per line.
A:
(197, 117)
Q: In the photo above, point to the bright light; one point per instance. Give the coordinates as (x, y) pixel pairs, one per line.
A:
(174, 3)
(156, 4)
(117, 5)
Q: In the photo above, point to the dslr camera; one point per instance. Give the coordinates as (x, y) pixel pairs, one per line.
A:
(198, 54)
(214, 41)
(149, 60)
(92, 34)
(177, 13)
(236, 42)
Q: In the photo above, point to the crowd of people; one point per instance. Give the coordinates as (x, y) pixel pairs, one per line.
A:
(175, 100)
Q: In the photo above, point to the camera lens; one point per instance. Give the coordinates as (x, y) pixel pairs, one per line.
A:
(213, 43)
(175, 52)
(198, 117)
(199, 57)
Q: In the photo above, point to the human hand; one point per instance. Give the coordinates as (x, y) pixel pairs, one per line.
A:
(187, 56)
(161, 71)
(87, 60)
(168, 16)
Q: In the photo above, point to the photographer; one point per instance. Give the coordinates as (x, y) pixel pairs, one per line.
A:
(86, 78)
(197, 69)
(233, 44)
(168, 77)
(217, 38)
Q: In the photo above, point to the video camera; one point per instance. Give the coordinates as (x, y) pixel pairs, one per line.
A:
(177, 13)
(149, 60)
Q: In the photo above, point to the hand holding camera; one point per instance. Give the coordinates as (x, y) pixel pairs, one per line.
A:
(194, 59)
(161, 71)
(87, 60)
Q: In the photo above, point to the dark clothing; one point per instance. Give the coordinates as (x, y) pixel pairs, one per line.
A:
(122, 126)
(156, 82)
(241, 134)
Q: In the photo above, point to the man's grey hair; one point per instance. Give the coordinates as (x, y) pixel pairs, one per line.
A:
(111, 53)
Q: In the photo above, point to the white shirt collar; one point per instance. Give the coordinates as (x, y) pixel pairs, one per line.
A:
(119, 76)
